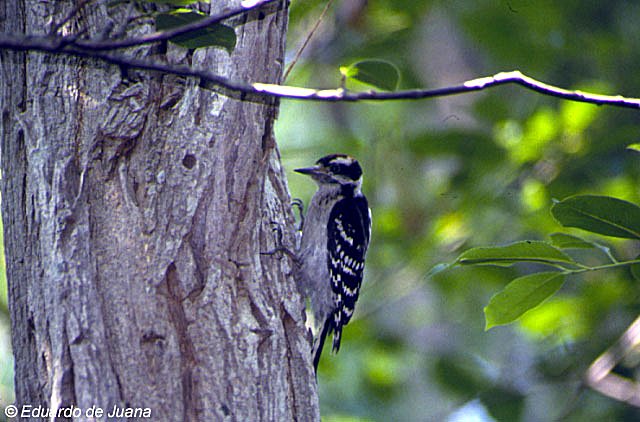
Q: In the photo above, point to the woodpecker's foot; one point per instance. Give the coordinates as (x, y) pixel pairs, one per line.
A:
(297, 203)
(279, 246)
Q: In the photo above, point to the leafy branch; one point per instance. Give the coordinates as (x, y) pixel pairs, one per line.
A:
(193, 28)
(601, 215)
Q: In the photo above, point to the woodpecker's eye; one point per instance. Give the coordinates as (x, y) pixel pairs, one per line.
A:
(334, 168)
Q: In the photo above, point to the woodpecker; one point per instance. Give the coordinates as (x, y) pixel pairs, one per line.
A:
(335, 238)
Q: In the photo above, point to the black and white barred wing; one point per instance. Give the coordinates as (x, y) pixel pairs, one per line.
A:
(348, 233)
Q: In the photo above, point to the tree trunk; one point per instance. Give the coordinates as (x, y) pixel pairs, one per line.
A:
(136, 207)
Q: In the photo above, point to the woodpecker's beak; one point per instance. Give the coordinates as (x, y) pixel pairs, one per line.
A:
(311, 171)
(318, 174)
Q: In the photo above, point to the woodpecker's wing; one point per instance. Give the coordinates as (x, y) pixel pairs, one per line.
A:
(348, 234)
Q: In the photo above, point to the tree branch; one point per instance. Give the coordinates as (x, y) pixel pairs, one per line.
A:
(502, 78)
(600, 376)
(87, 49)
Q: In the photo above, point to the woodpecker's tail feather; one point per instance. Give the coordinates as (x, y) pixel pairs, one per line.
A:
(320, 343)
(337, 334)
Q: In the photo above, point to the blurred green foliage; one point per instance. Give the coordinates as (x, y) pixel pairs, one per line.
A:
(482, 169)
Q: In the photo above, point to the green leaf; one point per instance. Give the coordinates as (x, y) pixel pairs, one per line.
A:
(569, 241)
(519, 296)
(525, 251)
(216, 35)
(599, 214)
(634, 147)
(378, 73)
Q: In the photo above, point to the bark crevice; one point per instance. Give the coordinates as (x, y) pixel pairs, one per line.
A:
(180, 324)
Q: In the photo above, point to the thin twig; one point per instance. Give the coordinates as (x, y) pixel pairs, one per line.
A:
(503, 78)
(62, 45)
(307, 39)
(600, 376)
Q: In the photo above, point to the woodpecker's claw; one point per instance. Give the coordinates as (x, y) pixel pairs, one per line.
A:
(297, 203)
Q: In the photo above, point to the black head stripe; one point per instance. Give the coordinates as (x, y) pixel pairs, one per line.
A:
(351, 170)
(326, 160)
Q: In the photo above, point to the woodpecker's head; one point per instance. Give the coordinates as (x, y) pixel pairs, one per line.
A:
(338, 169)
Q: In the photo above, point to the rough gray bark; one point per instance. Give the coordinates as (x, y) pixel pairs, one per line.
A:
(135, 209)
